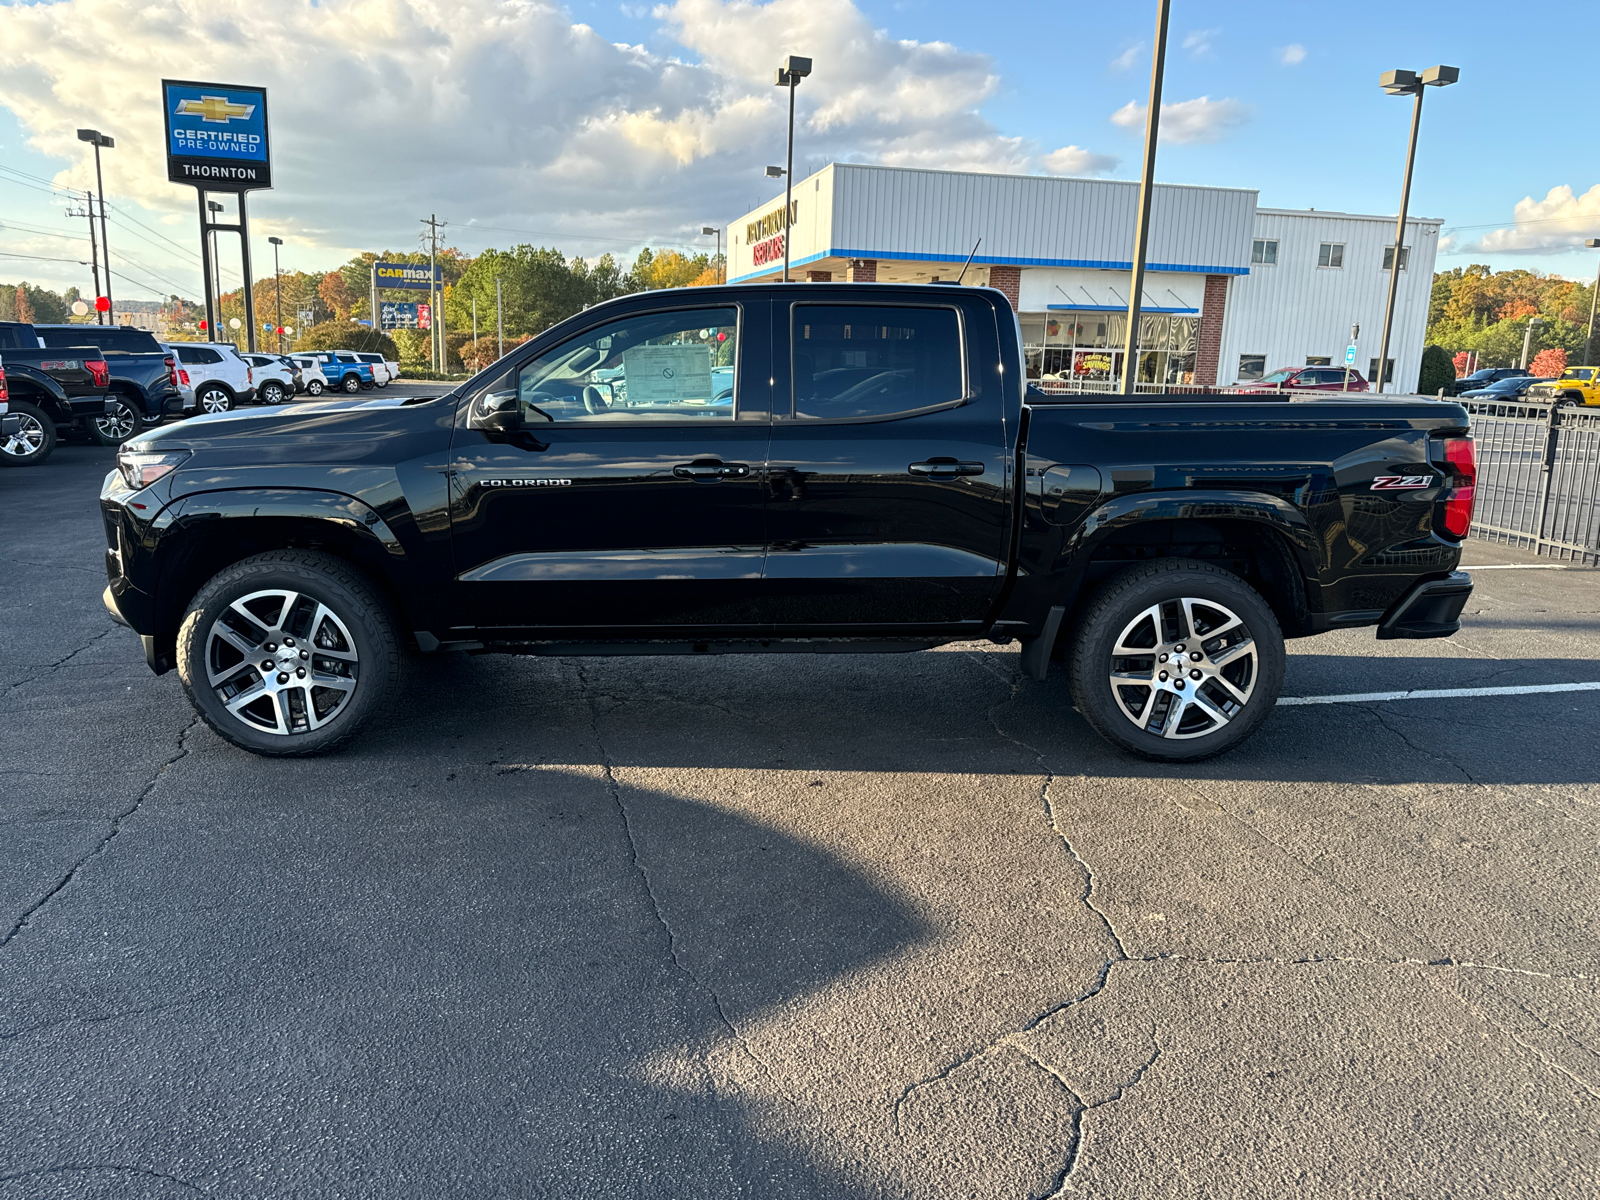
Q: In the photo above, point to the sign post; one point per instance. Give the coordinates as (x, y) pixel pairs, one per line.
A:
(217, 142)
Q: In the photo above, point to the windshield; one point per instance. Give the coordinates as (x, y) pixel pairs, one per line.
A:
(1278, 377)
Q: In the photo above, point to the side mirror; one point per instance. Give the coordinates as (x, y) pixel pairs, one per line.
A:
(497, 412)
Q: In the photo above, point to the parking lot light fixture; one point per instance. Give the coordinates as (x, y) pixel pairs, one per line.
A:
(794, 69)
(1535, 324)
(1405, 83)
(97, 139)
(1588, 341)
(708, 230)
(277, 288)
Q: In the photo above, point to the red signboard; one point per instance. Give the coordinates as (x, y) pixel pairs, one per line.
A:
(768, 251)
(424, 316)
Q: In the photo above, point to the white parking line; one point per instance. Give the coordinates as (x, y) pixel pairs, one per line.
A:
(1442, 693)
(1528, 567)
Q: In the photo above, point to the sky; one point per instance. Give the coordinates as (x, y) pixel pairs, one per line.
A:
(600, 126)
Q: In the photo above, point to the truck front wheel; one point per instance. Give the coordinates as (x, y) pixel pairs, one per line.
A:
(1177, 660)
(288, 653)
(34, 440)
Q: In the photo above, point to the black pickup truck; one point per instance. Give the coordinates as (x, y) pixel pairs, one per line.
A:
(144, 377)
(44, 390)
(835, 467)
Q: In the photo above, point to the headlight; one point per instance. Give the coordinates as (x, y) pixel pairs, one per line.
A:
(140, 470)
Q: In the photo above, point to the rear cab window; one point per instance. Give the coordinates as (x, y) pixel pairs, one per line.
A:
(853, 362)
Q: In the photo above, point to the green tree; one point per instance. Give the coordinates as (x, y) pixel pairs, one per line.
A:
(342, 335)
(1437, 371)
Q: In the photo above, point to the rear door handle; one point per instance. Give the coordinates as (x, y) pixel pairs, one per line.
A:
(946, 468)
(710, 470)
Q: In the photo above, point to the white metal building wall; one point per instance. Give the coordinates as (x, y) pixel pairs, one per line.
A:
(1297, 309)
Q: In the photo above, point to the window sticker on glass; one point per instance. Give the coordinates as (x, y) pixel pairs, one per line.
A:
(667, 374)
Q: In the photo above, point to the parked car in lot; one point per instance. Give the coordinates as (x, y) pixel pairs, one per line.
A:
(276, 377)
(384, 371)
(1307, 379)
(1509, 388)
(1575, 385)
(312, 381)
(143, 379)
(43, 390)
(1483, 378)
(341, 369)
(882, 481)
(219, 375)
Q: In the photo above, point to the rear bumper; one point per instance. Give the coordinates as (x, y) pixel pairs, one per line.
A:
(87, 406)
(1431, 609)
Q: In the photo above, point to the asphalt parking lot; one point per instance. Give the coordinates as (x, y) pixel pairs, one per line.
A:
(883, 927)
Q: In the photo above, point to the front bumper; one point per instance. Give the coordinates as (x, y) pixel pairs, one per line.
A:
(1431, 609)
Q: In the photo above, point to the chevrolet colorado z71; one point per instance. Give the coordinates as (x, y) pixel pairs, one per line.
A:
(878, 477)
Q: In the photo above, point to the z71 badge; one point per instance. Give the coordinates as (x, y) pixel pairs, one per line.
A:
(1396, 483)
(526, 483)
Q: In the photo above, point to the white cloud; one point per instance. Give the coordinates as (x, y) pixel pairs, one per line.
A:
(1558, 223)
(1292, 55)
(1188, 121)
(1128, 57)
(500, 112)
(1075, 160)
(1198, 42)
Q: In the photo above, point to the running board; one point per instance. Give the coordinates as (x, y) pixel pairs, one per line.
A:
(559, 649)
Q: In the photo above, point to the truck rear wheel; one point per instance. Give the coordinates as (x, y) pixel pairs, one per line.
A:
(1177, 660)
(288, 653)
(119, 423)
(33, 441)
(351, 384)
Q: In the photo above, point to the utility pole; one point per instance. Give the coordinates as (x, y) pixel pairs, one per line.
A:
(1147, 184)
(436, 330)
(94, 254)
(474, 330)
(499, 323)
(97, 139)
(1588, 341)
(277, 287)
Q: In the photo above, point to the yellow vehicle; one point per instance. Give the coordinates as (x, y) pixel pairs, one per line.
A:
(1575, 385)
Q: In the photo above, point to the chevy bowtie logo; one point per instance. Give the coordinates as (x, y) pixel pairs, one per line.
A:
(217, 110)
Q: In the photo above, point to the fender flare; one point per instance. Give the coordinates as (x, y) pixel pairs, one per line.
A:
(27, 375)
(1260, 508)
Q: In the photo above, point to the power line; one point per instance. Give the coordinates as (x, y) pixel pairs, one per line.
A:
(41, 231)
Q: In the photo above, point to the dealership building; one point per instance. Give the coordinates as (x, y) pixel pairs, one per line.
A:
(1232, 290)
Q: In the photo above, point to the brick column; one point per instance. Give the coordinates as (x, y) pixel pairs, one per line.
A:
(1009, 280)
(863, 270)
(819, 276)
(1210, 347)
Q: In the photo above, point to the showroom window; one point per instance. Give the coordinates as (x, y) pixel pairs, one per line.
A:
(1330, 254)
(1083, 351)
(1264, 252)
(1252, 366)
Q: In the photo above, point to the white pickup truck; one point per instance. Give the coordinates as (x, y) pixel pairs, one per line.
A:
(384, 371)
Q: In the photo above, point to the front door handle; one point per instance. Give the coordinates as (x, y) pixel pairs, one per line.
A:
(711, 470)
(946, 468)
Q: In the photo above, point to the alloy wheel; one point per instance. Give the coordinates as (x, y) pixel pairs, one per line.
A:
(27, 439)
(1184, 668)
(281, 662)
(118, 423)
(215, 400)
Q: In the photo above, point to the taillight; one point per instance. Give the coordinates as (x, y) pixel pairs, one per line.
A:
(4, 395)
(249, 374)
(172, 370)
(98, 371)
(183, 377)
(1454, 509)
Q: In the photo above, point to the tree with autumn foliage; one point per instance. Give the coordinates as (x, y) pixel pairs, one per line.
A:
(1548, 363)
(1477, 309)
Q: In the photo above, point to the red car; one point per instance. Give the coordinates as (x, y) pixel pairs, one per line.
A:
(1307, 379)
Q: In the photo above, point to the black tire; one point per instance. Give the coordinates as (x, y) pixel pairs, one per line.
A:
(118, 425)
(314, 388)
(1214, 713)
(350, 384)
(272, 392)
(357, 650)
(213, 399)
(34, 443)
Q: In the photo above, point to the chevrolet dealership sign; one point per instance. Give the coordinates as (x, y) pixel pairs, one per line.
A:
(217, 135)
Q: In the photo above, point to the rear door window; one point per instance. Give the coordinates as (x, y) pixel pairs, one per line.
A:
(872, 361)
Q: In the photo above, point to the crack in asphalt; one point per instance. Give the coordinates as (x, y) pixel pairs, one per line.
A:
(1074, 1151)
(100, 846)
(614, 790)
(120, 1014)
(1383, 719)
(63, 661)
(121, 1168)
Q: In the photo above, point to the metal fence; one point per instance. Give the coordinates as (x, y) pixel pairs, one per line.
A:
(1538, 478)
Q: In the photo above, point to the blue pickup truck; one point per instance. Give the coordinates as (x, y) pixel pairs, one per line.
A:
(342, 369)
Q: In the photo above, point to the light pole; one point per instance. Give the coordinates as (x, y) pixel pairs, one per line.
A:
(1527, 339)
(708, 230)
(1405, 83)
(97, 139)
(1147, 183)
(499, 323)
(1588, 341)
(277, 288)
(789, 75)
(216, 267)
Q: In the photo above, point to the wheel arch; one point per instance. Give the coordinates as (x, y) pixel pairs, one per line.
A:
(209, 531)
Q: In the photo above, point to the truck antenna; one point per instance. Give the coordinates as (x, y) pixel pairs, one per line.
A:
(968, 263)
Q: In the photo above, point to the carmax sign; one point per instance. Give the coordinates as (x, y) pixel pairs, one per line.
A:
(406, 275)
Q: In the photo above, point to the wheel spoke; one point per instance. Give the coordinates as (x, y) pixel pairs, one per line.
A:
(1119, 678)
(236, 639)
(1145, 713)
(1210, 709)
(342, 683)
(1231, 623)
(1226, 655)
(1123, 650)
(1239, 697)
(1180, 705)
(238, 607)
